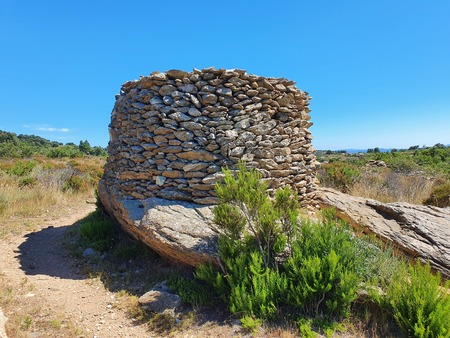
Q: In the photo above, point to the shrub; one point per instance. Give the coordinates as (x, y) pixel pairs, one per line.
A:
(319, 275)
(246, 285)
(440, 196)
(98, 231)
(27, 181)
(191, 291)
(339, 175)
(322, 269)
(22, 168)
(77, 183)
(251, 324)
(420, 306)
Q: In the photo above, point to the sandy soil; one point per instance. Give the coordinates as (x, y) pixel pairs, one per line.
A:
(38, 266)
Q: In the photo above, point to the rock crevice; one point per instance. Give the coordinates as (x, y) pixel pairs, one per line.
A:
(417, 230)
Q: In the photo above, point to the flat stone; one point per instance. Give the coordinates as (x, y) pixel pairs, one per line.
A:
(159, 180)
(195, 166)
(209, 99)
(194, 112)
(263, 128)
(180, 117)
(417, 230)
(184, 135)
(200, 155)
(188, 88)
(224, 91)
(176, 74)
(167, 90)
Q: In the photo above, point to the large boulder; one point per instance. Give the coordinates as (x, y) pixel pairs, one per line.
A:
(417, 230)
(181, 231)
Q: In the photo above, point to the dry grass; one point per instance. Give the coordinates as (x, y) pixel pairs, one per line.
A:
(387, 186)
(35, 187)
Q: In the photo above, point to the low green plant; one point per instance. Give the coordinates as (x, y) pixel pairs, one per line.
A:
(319, 274)
(22, 168)
(305, 329)
(27, 182)
(251, 324)
(162, 323)
(440, 196)
(339, 175)
(322, 269)
(98, 231)
(420, 304)
(191, 291)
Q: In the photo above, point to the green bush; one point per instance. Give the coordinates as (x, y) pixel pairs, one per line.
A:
(191, 291)
(98, 231)
(22, 168)
(248, 287)
(246, 209)
(420, 305)
(339, 175)
(440, 196)
(319, 273)
(322, 269)
(77, 183)
(27, 181)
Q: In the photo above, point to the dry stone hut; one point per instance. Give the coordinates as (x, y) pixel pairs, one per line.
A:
(172, 132)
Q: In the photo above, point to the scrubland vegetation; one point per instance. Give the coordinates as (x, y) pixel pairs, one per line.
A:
(29, 187)
(307, 277)
(418, 176)
(318, 274)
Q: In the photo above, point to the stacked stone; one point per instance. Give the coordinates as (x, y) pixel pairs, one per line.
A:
(171, 133)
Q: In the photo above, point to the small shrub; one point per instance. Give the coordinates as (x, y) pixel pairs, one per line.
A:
(251, 324)
(162, 323)
(22, 168)
(191, 291)
(98, 231)
(305, 330)
(420, 305)
(339, 175)
(27, 182)
(440, 196)
(77, 183)
(323, 268)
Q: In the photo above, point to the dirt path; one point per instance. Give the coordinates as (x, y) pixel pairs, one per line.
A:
(39, 269)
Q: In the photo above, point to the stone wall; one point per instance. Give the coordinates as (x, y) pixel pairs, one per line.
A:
(172, 132)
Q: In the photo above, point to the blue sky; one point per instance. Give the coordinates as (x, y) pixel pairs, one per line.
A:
(378, 71)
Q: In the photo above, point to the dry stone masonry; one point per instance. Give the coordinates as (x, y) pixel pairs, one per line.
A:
(171, 133)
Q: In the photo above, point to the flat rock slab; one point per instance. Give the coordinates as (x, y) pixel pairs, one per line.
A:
(418, 230)
(181, 231)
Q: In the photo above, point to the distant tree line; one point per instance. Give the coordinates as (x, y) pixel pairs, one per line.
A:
(12, 145)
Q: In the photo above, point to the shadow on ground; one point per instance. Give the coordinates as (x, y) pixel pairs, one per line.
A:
(44, 253)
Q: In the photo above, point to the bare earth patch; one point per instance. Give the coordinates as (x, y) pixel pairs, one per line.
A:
(49, 293)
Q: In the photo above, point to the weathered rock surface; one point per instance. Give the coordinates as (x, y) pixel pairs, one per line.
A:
(160, 299)
(417, 230)
(179, 230)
